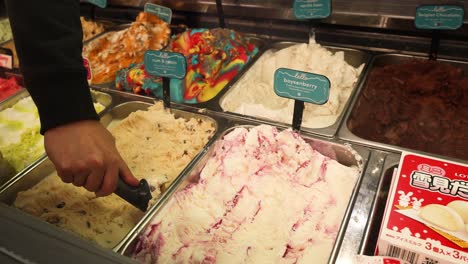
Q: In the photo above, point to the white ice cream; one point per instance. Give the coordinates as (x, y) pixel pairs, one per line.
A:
(254, 95)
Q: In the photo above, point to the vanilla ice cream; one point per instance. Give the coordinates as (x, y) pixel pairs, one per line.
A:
(263, 196)
(254, 95)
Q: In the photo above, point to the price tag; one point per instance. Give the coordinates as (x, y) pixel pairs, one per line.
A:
(162, 12)
(165, 64)
(302, 86)
(312, 9)
(86, 64)
(439, 17)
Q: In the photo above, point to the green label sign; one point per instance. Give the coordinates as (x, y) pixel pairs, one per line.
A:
(439, 17)
(303, 86)
(312, 9)
(165, 64)
(162, 12)
(99, 3)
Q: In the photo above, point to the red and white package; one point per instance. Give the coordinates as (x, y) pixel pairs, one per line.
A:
(362, 259)
(426, 217)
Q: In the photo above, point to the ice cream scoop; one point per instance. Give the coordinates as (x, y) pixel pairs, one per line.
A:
(137, 196)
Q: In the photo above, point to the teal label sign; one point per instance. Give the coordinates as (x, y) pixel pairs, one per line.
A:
(165, 64)
(303, 86)
(439, 17)
(162, 12)
(99, 3)
(312, 9)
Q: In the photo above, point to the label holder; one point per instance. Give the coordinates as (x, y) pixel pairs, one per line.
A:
(166, 92)
(298, 114)
(220, 11)
(435, 44)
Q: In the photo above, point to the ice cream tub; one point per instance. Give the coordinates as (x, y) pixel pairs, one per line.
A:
(21, 144)
(421, 113)
(108, 221)
(344, 155)
(107, 32)
(215, 57)
(124, 45)
(253, 94)
(89, 34)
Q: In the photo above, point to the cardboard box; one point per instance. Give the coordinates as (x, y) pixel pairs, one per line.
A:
(426, 217)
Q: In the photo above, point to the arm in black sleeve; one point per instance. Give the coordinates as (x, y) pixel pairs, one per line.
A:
(48, 39)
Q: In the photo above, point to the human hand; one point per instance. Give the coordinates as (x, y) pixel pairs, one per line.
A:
(84, 154)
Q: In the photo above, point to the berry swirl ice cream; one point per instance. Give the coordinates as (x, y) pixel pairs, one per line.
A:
(263, 196)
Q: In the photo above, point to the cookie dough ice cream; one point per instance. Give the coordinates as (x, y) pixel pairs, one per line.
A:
(155, 145)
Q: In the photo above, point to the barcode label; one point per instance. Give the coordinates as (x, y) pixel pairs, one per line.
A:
(406, 255)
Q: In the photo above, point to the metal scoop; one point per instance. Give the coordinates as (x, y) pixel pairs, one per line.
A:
(137, 196)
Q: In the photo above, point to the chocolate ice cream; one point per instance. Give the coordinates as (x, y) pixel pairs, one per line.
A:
(420, 105)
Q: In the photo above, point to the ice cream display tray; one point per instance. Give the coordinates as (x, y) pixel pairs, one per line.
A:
(353, 57)
(98, 97)
(345, 155)
(44, 167)
(378, 206)
(379, 61)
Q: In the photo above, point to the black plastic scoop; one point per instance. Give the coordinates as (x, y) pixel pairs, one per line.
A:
(137, 196)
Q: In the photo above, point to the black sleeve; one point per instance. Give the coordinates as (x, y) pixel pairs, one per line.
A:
(48, 39)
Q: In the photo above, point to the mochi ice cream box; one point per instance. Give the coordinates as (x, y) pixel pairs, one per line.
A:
(426, 216)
